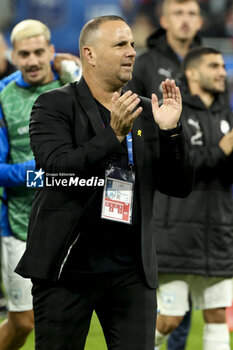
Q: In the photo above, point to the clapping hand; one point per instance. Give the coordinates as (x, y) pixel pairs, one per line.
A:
(168, 114)
(124, 112)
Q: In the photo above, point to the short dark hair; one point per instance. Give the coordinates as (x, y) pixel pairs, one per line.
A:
(195, 55)
(94, 25)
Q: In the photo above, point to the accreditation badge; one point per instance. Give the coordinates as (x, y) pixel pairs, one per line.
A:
(117, 202)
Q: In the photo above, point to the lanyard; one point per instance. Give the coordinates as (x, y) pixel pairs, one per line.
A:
(130, 148)
(129, 143)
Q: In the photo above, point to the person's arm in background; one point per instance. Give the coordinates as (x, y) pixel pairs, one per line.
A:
(212, 161)
(10, 174)
(67, 66)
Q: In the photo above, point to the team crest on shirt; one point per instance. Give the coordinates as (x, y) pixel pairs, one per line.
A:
(16, 294)
(168, 298)
(224, 126)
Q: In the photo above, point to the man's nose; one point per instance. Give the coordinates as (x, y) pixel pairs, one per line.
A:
(186, 17)
(32, 60)
(131, 52)
(223, 71)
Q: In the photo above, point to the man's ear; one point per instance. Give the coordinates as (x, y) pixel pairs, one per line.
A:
(52, 51)
(89, 55)
(163, 22)
(191, 74)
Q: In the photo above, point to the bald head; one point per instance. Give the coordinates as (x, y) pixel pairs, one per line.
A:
(89, 32)
(107, 53)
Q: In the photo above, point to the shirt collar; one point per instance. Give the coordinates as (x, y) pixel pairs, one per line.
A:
(22, 83)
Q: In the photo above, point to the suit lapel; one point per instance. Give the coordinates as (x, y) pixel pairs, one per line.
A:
(89, 106)
(91, 110)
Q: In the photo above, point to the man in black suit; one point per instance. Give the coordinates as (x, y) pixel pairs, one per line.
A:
(91, 248)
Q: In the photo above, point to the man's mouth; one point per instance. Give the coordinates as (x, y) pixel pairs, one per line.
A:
(220, 81)
(185, 28)
(33, 71)
(129, 65)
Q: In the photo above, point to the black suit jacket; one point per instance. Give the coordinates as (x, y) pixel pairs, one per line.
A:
(67, 135)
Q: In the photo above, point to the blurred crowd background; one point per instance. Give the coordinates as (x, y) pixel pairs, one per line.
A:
(65, 18)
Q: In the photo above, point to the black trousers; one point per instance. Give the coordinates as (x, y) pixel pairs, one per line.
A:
(125, 305)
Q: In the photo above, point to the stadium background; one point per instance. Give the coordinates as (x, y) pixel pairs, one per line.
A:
(65, 18)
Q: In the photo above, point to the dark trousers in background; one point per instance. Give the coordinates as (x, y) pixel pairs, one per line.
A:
(125, 306)
(178, 338)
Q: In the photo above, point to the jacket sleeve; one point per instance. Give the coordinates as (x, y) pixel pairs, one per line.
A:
(10, 174)
(210, 162)
(176, 172)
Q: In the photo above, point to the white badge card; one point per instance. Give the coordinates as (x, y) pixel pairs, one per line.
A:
(117, 200)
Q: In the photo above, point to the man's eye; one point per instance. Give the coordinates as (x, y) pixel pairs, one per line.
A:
(39, 52)
(23, 54)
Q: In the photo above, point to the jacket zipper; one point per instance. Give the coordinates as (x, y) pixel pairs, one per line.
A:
(67, 255)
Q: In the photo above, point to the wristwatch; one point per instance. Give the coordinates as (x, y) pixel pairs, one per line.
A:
(172, 132)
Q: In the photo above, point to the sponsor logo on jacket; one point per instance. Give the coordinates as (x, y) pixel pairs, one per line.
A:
(196, 139)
